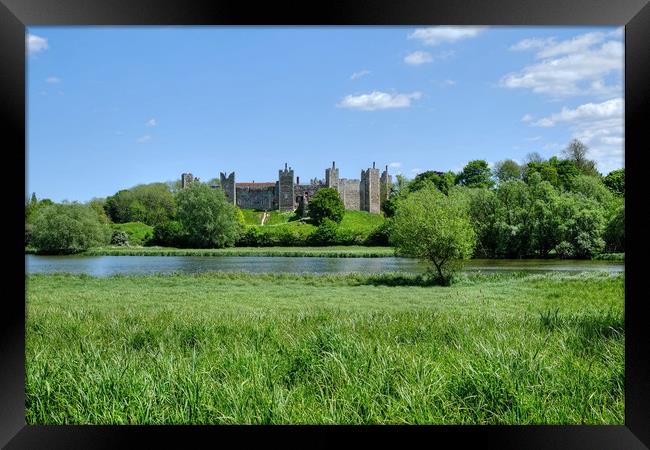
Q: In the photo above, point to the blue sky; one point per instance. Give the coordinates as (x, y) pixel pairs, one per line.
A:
(112, 107)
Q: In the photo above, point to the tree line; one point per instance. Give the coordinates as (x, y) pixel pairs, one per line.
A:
(558, 207)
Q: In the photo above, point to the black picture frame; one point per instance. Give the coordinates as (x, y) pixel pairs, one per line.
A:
(15, 15)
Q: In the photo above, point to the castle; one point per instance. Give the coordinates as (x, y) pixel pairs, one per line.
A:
(287, 194)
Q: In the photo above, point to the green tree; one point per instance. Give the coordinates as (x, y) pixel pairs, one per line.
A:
(442, 181)
(476, 174)
(68, 228)
(507, 170)
(152, 204)
(576, 151)
(615, 230)
(97, 204)
(207, 217)
(398, 190)
(436, 228)
(326, 203)
(615, 181)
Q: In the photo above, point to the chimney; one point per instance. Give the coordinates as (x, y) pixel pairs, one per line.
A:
(297, 180)
(373, 164)
(386, 168)
(285, 166)
(333, 164)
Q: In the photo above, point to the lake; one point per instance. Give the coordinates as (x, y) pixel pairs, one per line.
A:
(132, 265)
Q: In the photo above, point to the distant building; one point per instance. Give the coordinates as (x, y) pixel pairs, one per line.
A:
(287, 194)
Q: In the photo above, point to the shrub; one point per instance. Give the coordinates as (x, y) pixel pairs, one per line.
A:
(564, 250)
(380, 235)
(119, 237)
(68, 228)
(325, 234)
(169, 234)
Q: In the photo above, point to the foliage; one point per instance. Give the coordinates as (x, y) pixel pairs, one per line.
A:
(615, 181)
(380, 235)
(152, 204)
(615, 230)
(476, 174)
(68, 228)
(171, 234)
(576, 151)
(507, 170)
(325, 234)
(442, 181)
(119, 238)
(326, 203)
(97, 204)
(207, 217)
(435, 228)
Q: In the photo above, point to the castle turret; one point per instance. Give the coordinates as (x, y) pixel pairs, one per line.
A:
(332, 176)
(369, 190)
(186, 179)
(228, 186)
(385, 183)
(286, 200)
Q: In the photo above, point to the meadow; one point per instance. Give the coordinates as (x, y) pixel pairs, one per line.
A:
(322, 349)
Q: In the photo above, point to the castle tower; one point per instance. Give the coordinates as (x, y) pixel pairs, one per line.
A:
(385, 183)
(186, 179)
(332, 176)
(228, 186)
(286, 200)
(369, 190)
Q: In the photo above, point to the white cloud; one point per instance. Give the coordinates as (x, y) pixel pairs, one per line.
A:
(53, 80)
(576, 66)
(152, 123)
(530, 44)
(527, 118)
(395, 165)
(605, 110)
(417, 58)
(357, 75)
(143, 139)
(377, 100)
(600, 126)
(35, 44)
(437, 35)
(448, 83)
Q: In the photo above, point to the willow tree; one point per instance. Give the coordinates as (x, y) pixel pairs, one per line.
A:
(435, 228)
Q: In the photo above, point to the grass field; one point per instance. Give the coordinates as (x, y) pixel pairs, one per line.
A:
(243, 348)
(340, 251)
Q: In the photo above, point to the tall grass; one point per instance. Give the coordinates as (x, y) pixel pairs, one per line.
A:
(359, 349)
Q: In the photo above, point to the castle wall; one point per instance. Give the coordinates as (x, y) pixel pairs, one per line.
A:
(256, 198)
(349, 193)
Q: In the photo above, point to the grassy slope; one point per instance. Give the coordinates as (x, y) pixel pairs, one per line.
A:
(233, 348)
(348, 251)
(135, 230)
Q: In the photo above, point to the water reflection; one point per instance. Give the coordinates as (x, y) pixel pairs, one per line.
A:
(111, 265)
